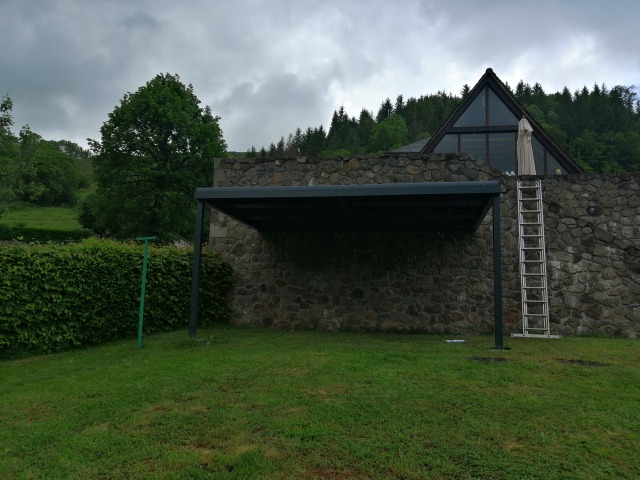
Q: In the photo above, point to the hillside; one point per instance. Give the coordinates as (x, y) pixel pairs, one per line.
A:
(598, 127)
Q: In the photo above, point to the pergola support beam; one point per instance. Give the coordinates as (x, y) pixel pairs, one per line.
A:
(497, 274)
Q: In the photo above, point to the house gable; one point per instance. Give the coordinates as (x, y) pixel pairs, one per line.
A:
(485, 125)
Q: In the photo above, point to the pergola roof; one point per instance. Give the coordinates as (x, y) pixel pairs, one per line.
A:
(412, 207)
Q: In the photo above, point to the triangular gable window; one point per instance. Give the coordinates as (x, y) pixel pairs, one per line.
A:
(486, 126)
(499, 114)
(476, 113)
(486, 110)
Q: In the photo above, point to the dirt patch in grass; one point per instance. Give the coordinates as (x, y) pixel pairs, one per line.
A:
(584, 363)
(488, 359)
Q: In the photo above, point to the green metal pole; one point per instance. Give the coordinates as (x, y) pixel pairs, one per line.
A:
(144, 284)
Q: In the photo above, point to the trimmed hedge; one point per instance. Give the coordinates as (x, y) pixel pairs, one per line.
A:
(54, 298)
(43, 235)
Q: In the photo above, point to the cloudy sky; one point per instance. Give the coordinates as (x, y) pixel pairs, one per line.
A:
(267, 67)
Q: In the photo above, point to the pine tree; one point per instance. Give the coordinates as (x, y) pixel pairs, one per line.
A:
(385, 111)
(399, 107)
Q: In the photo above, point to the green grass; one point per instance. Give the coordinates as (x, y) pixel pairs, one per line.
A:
(249, 404)
(51, 218)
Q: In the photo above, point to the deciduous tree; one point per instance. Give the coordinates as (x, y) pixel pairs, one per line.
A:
(392, 132)
(157, 147)
(8, 152)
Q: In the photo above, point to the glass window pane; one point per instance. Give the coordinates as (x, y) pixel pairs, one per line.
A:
(502, 151)
(448, 144)
(538, 156)
(499, 114)
(553, 166)
(475, 114)
(475, 144)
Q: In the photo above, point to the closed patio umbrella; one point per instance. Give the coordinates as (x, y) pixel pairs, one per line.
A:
(526, 165)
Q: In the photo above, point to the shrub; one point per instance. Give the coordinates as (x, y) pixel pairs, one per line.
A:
(53, 298)
(43, 235)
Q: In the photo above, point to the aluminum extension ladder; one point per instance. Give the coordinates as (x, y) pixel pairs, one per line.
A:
(533, 262)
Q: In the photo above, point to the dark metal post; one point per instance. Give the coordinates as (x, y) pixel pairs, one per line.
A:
(195, 277)
(497, 273)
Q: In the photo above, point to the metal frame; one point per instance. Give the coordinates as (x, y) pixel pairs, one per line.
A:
(265, 198)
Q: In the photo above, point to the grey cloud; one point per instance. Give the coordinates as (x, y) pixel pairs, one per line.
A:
(268, 67)
(261, 114)
(139, 20)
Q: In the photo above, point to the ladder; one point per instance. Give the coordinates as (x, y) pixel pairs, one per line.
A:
(533, 262)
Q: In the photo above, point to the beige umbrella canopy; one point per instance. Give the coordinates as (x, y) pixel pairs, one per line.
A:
(526, 165)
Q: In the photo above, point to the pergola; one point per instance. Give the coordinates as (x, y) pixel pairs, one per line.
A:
(408, 207)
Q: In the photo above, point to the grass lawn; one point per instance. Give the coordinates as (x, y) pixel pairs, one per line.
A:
(51, 218)
(308, 405)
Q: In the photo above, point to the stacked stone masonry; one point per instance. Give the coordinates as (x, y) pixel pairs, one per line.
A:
(409, 282)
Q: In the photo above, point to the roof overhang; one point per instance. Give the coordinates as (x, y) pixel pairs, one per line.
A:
(409, 207)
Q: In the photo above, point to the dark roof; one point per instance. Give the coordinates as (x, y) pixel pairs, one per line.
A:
(491, 79)
(415, 147)
(411, 207)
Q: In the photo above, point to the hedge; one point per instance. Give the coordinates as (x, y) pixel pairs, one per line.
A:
(43, 235)
(57, 297)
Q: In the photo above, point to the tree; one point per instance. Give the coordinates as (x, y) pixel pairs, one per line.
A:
(17, 159)
(342, 136)
(157, 147)
(82, 158)
(392, 132)
(8, 152)
(399, 107)
(385, 110)
(54, 178)
(365, 126)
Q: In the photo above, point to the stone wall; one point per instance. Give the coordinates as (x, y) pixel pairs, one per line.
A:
(434, 283)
